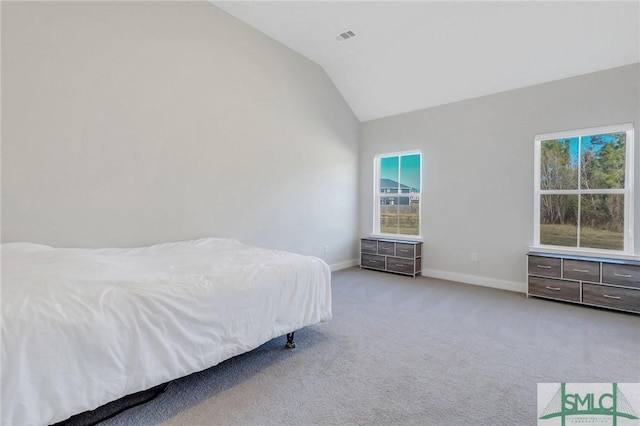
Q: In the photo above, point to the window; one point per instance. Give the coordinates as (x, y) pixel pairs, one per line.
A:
(583, 189)
(398, 179)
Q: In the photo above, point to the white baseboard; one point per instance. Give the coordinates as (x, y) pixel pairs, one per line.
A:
(519, 287)
(343, 265)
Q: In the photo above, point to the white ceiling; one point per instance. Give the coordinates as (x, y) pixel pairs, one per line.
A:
(417, 54)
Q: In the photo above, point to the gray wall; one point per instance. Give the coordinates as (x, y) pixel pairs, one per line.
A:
(129, 123)
(478, 168)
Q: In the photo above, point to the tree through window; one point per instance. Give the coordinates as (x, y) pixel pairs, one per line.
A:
(583, 197)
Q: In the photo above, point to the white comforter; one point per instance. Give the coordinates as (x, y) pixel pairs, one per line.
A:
(82, 327)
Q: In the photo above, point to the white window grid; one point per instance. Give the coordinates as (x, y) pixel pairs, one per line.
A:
(378, 195)
(627, 191)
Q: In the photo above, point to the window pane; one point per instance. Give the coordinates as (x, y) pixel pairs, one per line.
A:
(400, 215)
(559, 164)
(410, 173)
(602, 161)
(409, 219)
(558, 220)
(602, 221)
(389, 170)
(389, 215)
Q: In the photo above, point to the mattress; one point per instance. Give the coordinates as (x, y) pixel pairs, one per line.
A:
(83, 327)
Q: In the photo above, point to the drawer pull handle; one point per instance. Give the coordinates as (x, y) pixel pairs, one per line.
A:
(544, 266)
(611, 297)
(399, 264)
(404, 250)
(622, 275)
(554, 288)
(586, 271)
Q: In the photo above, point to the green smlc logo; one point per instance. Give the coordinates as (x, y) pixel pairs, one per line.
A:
(612, 404)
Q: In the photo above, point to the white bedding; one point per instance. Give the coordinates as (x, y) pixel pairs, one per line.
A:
(82, 327)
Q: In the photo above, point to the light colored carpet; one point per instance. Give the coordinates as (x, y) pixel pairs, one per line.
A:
(408, 351)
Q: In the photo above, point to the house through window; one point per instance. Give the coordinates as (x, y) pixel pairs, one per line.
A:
(398, 181)
(583, 196)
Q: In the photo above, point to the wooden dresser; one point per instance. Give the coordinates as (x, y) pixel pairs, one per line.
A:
(594, 281)
(397, 256)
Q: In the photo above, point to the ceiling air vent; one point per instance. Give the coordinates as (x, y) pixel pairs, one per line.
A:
(345, 35)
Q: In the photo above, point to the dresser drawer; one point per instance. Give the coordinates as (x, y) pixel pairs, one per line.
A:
(545, 266)
(369, 246)
(385, 247)
(626, 275)
(581, 270)
(398, 264)
(611, 297)
(405, 250)
(565, 290)
(372, 261)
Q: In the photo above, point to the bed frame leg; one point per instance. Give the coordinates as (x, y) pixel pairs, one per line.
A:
(290, 343)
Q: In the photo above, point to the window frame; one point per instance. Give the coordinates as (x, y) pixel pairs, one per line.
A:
(377, 195)
(627, 191)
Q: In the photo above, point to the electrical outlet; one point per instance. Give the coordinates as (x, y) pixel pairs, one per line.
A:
(325, 249)
(474, 257)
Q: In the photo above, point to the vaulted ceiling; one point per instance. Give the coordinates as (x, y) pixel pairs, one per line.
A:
(417, 54)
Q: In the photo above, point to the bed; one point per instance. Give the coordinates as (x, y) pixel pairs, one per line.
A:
(83, 327)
